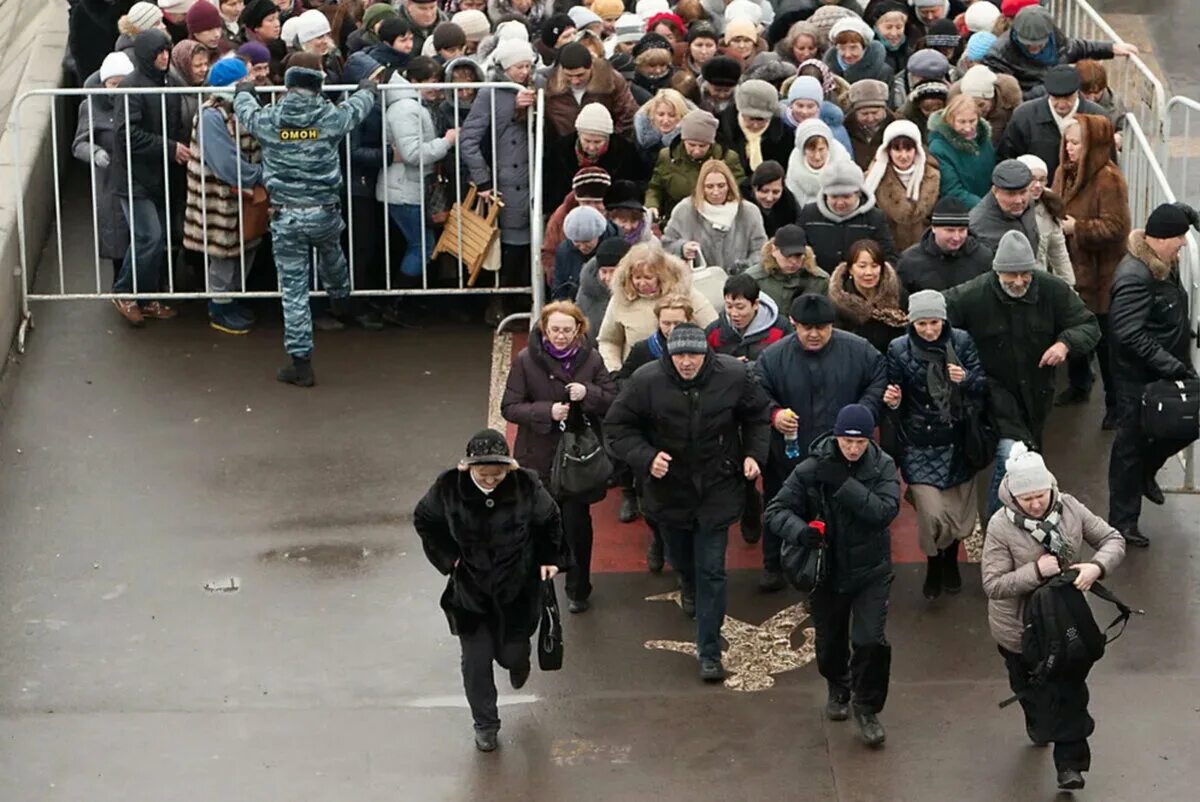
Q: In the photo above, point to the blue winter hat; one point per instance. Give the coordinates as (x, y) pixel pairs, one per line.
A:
(979, 44)
(854, 420)
(227, 71)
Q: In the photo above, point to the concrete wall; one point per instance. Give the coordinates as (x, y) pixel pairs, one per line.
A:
(33, 37)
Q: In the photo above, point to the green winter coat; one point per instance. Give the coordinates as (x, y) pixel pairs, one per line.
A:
(966, 166)
(784, 287)
(676, 174)
(1012, 334)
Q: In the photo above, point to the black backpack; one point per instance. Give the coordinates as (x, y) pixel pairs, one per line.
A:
(1061, 640)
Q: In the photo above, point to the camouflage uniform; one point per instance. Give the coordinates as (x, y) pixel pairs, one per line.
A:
(300, 136)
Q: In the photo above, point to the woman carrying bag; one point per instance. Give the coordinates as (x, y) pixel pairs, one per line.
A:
(715, 226)
(558, 382)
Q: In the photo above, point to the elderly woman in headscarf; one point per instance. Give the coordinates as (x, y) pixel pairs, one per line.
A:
(905, 181)
(815, 148)
(189, 65)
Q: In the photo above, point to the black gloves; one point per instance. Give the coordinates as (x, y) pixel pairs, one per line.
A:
(810, 538)
(245, 86)
(833, 474)
(1192, 215)
(367, 83)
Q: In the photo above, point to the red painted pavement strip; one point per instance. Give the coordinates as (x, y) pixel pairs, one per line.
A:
(621, 548)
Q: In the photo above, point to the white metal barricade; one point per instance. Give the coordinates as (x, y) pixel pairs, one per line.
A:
(1178, 145)
(73, 282)
(1129, 78)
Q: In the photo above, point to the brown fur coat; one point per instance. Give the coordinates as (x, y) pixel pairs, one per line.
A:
(908, 219)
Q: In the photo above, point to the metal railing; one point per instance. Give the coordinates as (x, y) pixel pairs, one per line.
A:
(1175, 153)
(1148, 188)
(72, 282)
(1129, 78)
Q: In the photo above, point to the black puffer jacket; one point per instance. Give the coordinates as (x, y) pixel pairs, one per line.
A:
(491, 547)
(708, 425)
(830, 237)
(857, 515)
(145, 121)
(931, 448)
(925, 266)
(1147, 320)
(1007, 56)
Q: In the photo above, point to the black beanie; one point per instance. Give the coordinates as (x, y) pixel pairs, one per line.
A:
(574, 56)
(813, 309)
(611, 251)
(1168, 221)
(722, 71)
(553, 28)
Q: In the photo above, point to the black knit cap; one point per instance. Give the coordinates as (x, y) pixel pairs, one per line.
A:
(1168, 221)
(623, 195)
(255, 11)
(611, 251)
(687, 338)
(950, 212)
(553, 28)
(722, 71)
(574, 56)
(813, 309)
(651, 41)
(488, 447)
(1061, 80)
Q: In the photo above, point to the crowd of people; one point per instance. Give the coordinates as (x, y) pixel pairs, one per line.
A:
(773, 230)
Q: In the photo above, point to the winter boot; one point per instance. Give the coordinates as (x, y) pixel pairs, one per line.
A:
(298, 371)
(933, 578)
(837, 707)
(629, 511)
(712, 670)
(771, 581)
(1070, 780)
(951, 579)
(869, 728)
(752, 516)
(486, 741)
(655, 559)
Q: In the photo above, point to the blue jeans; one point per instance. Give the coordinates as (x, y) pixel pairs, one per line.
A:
(698, 554)
(149, 245)
(407, 218)
(1002, 448)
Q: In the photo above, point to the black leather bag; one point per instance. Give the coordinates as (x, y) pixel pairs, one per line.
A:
(550, 640)
(1171, 410)
(805, 568)
(979, 435)
(581, 465)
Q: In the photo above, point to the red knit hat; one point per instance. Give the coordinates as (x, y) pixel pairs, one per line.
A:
(674, 20)
(1009, 8)
(203, 16)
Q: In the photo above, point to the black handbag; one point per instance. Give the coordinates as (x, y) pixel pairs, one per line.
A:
(806, 567)
(581, 465)
(550, 640)
(979, 435)
(1171, 410)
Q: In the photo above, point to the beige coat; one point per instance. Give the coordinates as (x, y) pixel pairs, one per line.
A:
(1010, 555)
(626, 322)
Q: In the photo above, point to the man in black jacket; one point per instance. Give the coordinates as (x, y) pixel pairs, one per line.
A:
(948, 253)
(808, 378)
(1148, 321)
(694, 424)
(1036, 125)
(843, 498)
(842, 214)
(143, 188)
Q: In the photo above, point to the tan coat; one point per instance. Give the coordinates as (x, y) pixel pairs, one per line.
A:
(1010, 555)
(908, 219)
(1098, 198)
(626, 322)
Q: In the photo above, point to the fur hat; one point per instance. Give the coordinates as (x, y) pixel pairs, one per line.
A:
(448, 36)
(721, 71)
(756, 99)
(813, 309)
(867, 93)
(488, 447)
(255, 11)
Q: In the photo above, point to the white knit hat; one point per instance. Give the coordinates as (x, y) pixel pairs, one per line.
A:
(583, 16)
(176, 6)
(1034, 163)
(144, 16)
(594, 118)
(853, 24)
(512, 51)
(115, 64)
(979, 81)
(981, 17)
(512, 29)
(648, 8)
(474, 23)
(312, 24)
(1026, 471)
(288, 31)
(746, 9)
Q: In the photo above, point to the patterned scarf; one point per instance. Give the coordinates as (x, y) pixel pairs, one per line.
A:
(586, 160)
(1046, 530)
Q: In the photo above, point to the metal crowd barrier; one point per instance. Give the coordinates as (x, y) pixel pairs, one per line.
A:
(73, 283)
(1129, 78)
(1175, 155)
(1148, 188)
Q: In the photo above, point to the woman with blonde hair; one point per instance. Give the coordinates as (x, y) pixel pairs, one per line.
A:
(715, 226)
(644, 275)
(656, 124)
(558, 383)
(961, 140)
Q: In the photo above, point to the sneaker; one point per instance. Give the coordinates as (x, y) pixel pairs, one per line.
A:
(1072, 396)
(629, 511)
(578, 605)
(655, 560)
(486, 741)
(156, 310)
(1070, 780)
(298, 371)
(517, 677)
(771, 581)
(1152, 491)
(224, 318)
(870, 729)
(932, 588)
(1133, 537)
(244, 312)
(712, 670)
(951, 579)
(837, 707)
(131, 312)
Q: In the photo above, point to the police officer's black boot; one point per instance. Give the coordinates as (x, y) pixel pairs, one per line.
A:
(298, 371)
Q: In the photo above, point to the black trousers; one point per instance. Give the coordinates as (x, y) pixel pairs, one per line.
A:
(1133, 459)
(577, 527)
(774, 476)
(479, 650)
(853, 653)
(367, 235)
(1055, 712)
(1079, 367)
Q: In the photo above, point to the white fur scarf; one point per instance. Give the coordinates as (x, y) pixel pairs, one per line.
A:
(879, 165)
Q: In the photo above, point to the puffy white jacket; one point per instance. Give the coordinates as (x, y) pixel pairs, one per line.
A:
(411, 130)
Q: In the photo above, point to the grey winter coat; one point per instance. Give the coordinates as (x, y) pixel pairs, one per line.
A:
(511, 158)
(735, 249)
(410, 128)
(98, 151)
(989, 223)
(593, 296)
(1010, 554)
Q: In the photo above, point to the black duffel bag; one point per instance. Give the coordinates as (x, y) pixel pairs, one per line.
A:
(1171, 410)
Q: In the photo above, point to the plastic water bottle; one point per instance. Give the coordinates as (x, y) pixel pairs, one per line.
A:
(791, 444)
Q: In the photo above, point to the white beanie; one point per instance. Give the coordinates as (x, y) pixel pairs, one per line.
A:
(474, 23)
(144, 16)
(981, 17)
(114, 65)
(1026, 472)
(648, 8)
(746, 9)
(853, 24)
(512, 29)
(628, 29)
(312, 24)
(583, 16)
(595, 119)
(979, 81)
(288, 31)
(1034, 163)
(512, 51)
(176, 6)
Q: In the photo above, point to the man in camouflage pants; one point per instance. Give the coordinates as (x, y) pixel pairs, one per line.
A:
(300, 135)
